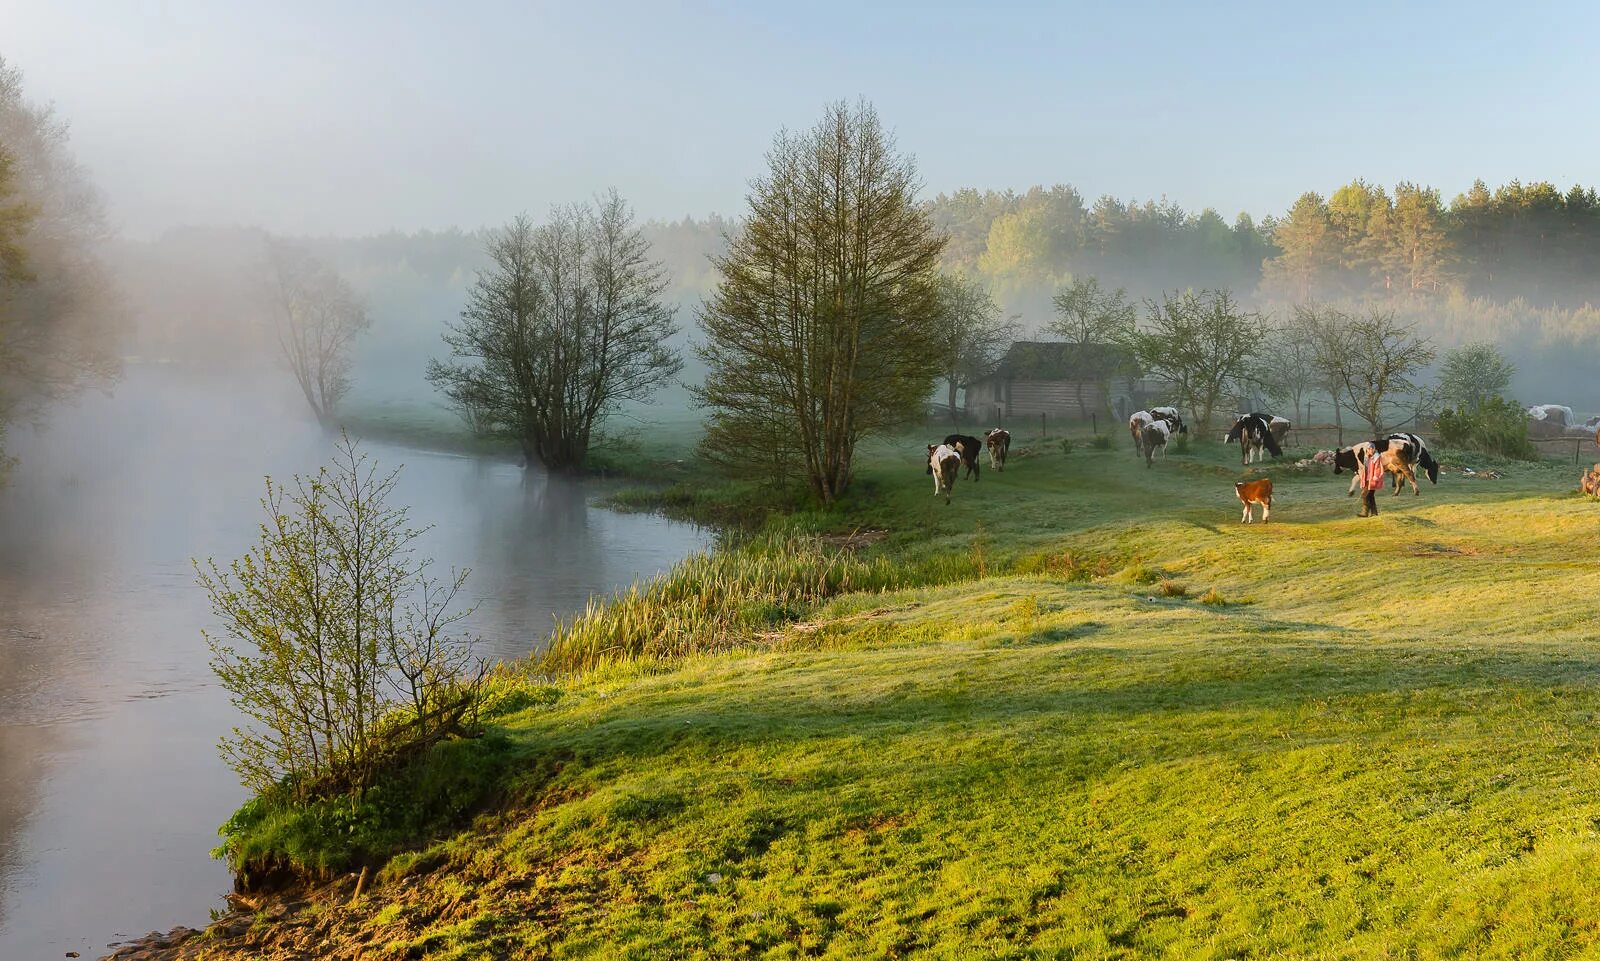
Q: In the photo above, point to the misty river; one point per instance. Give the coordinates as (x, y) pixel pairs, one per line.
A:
(111, 789)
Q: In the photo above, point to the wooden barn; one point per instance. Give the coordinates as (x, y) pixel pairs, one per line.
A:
(1061, 380)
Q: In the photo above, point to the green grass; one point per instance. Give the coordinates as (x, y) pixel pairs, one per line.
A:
(1380, 742)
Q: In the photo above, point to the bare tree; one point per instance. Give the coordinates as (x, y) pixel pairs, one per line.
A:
(318, 317)
(1202, 345)
(974, 332)
(566, 325)
(1369, 360)
(1291, 363)
(818, 332)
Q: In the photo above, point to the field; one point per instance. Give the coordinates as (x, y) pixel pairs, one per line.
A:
(1116, 723)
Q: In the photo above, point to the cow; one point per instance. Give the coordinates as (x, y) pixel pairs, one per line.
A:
(1590, 481)
(1170, 415)
(1353, 459)
(1154, 436)
(1279, 426)
(969, 448)
(998, 441)
(1255, 492)
(944, 463)
(1137, 422)
(1254, 434)
(1415, 450)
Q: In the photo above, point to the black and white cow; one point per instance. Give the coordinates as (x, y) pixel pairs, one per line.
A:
(944, 463)
(1353, 459)
(1170, 415)
(1153, 438)
(998, 440)
(1254, 434)
(970, 448)
(1419, 454)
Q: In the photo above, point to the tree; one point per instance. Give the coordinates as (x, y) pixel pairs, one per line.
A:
(330, 626)
(60, 325)
(1290, 358)
(1369, 360)
(317, 316)
(565, 326)
(819, 332)
(974, 333)
(1474, 374)
(1202, 345)
(1088, 314)
(1310, 251)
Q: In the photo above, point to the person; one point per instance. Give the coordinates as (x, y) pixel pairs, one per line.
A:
(1371, 482)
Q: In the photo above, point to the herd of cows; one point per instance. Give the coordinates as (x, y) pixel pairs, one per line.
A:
(1372, 463)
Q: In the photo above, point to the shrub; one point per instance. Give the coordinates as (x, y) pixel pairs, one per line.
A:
(336, 643)
(1066, 445)
(1169, 588)
(1181, 445)
(1101, 442)
(1497, 426)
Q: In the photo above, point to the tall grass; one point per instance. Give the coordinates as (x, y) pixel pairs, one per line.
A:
(712, 602)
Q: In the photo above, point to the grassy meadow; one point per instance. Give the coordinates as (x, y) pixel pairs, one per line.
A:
(1080, 712)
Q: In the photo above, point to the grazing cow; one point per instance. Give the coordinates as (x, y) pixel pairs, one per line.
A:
(1420, 455)
(970, 448)
(944, 463)
(1255, 492)
(1170, 415)
(1254, 434)
(1353, 459)
(1400, 462)
(1136, 425)
(998, 441)
(1278, 426)
(1154, 436)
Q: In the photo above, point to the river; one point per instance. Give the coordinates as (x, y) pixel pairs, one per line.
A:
(111, 789)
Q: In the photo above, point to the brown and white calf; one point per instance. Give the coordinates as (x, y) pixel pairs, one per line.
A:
(1255, 492)
(944, 463)
(998, 441)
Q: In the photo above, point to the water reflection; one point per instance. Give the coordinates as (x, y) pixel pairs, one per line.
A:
(110, 787)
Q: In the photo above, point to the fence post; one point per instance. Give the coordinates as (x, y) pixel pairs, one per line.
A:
(1094, 423)
(1042, 434)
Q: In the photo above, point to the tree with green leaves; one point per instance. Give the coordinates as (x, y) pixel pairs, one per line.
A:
(566, 325)
(1310, 251)
(974, 332)
(1202, 345)
(820, 332)
(1474, 374)
(337, 644)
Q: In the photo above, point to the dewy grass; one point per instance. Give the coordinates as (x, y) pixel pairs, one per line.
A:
(1382, 746)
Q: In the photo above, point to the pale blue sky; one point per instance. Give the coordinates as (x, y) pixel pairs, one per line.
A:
(356, 117)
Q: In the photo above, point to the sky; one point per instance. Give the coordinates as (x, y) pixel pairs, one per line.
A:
(355, 117)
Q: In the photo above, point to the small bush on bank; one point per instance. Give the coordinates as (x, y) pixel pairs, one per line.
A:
(1101, 442)
(1066, 445)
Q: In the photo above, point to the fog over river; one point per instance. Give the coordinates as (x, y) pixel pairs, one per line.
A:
(111, 789)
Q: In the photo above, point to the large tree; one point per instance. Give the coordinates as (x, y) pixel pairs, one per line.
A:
(1370, 360)
(819, 332)
(974, 331)
(317, 316)
(1203, 345)
(566, 325)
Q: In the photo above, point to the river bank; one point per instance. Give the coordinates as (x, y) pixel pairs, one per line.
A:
(1096, 728)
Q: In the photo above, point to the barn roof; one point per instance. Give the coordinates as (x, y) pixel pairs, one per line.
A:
(1054, 360)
